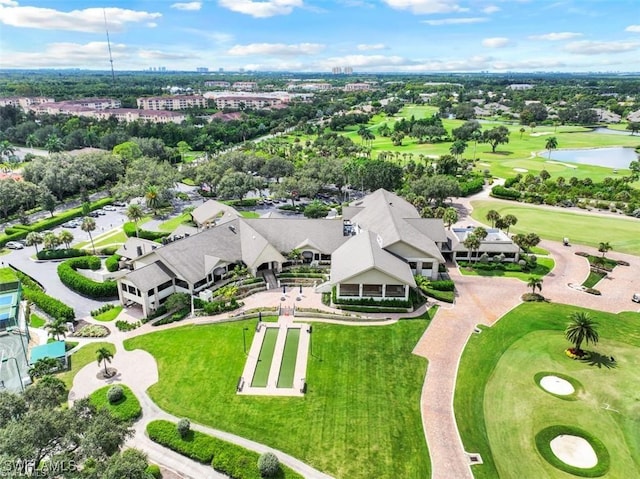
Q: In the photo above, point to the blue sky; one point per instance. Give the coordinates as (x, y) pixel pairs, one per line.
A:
(315, 35)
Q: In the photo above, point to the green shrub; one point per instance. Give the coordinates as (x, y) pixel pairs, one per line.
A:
(471, 187)
(446, 296)
(175, 317)
(102, 309)
(499, 191)
(112, 263)
(115, 394)
(391, 303)
(442, 285)
(92, 331)
(108, 250)
(130, 230)
(47, 254)
(53, 307)
(268, 464)
(82, 285)
(153, 470)
(195, 445)
(126, 409)
(183, 427)
(127, 326)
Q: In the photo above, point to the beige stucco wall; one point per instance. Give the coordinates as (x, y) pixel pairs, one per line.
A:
(373, 276)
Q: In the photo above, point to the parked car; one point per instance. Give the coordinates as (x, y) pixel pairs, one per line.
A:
(14, 245)
(94, 214)
(71, 224)
(635, 298)
(119, 203)
(101, 212)
(109, 208)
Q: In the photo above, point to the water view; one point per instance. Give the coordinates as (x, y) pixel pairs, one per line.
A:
(616, 157)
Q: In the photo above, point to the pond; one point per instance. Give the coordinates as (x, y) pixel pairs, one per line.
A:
(609, 131)
(617, 157)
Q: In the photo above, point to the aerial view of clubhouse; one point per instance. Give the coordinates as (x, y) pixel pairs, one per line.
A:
(374, 251)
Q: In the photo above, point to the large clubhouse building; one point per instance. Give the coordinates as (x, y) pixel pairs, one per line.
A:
(374, 251)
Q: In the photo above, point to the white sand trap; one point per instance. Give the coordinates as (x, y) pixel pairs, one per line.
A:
(521, 170)
(556, 385)
(575, 451)
(566, 165)
(484, 164)
(541, 133)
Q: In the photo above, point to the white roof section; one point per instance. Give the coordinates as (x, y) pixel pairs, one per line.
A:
(130, 249)
(213, 211)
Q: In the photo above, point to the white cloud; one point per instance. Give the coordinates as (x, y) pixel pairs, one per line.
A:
(66, 55)
(495, 42)
(88, 20)
(261, 9)
(363, 47)
(491, 9)
(426, 6)
(380, 62)
(599, 48)
(192, 6)
(160, 55)
(456, 21)
(633, 28)
(9, 3)
(555, 36)
(278, 49)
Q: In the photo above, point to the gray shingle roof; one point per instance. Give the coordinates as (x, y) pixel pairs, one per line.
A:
(129, 250)
(363, 253)
(286, 234)
(210, 210)
(150, 276)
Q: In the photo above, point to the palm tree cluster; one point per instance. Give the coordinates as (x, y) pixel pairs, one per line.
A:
(501, 222)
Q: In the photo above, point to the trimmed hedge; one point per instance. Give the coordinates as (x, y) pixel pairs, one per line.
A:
(85, 286)
(112, 262)
(390, 303)
(442, 285)
(234, 461)
(446, 296)
(500, 191)
(130, 230)
(471, 187)
(47, 254)
(53, 307)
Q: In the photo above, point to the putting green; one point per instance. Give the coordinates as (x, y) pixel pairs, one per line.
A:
(261, 374)
(289, 355)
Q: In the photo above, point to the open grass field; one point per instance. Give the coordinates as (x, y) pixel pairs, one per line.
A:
(554, 224)
(500, 407)
(82, 357)
(359, 419)
(265, 358)
(289, 354)
(544, 267)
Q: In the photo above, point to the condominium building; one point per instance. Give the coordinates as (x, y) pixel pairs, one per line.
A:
(25, 102)
(357, 87)
(217, 84)
(178, 102)
(245, 86)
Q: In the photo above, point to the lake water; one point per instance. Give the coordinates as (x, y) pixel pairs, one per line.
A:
(607, 157)
(608, 131)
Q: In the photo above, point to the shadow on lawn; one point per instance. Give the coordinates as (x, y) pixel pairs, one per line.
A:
(600, 360)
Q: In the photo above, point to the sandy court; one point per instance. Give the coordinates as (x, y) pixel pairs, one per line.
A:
(521, 170)
(556, 385)
(574, 450)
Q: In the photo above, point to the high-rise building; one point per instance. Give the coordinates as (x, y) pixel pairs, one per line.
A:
(336, 70)
(202, 69)
(348, 70)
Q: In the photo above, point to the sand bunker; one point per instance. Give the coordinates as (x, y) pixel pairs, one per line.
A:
(521, 170)
(484, 164)
(541, 133)
(556, 385)
(575, 451)
(566, 165)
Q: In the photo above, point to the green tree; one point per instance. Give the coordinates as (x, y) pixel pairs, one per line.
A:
(472, 243)
(534, 282)
(633, 127)
(480, 232)
(551, 144)
(104, 356)
(134, 213)
(88, 225)
(316, 209)
(7, 151)
(604, 248)
(493, 216)
(47, 201)
(178, 301)
(128, 151)
(183, 149)
(236, 184)
(509, 221)
(43, 367)
(457, 148)
(496, 136)
(34, 239)
(66, 237)
(436, 188)
(51, 241)
(450, 216)
(152, 198)
(581, 328)
(57, 328)
(54, 144)
(522, 130)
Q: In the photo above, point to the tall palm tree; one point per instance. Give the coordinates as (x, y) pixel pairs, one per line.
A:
(51, 241)
(509, 221)
(103, 355)
(604, 248)
(481, 233)
(66, 237)
(134, 213)
(535, 282)
(7, 150)
(88, 225)
(551, 144)
(581, 328)
(43, 366)
(152, 198)
(57, 328)
(493, 216)
(522, 130)
(472, 243)
(450, 216)
(457, 148)
(34, 239)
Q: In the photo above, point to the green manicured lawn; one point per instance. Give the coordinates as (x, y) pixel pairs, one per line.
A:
(81, 358)
(359, 419)
(554, 224)
(543, 267)
(539, 251)
(173, 223)
(105, 239)
(261, 374)
(36, 321)
(7, 275)
(593, 279)
(289, 354)
(127, 409)
(249, 214)
(500, 408)
(109, 315)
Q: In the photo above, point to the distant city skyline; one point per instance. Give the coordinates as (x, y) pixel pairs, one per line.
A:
(319, 35)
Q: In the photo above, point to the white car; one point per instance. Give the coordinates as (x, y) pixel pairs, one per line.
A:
(14, 245)
(635, 298)
(109, 208)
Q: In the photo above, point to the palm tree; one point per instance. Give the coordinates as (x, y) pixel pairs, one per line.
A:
(88, 225)
(493, 216)
(604, 247)
(551, 144)
(51, 241)
(510, 220)
(7, 150)
(152, 198)
(581, 328)
(43, 367)
(134, 213)
(472, 243)
(57, 328)
(522, 130)
(481, 233)
(66, 237)
(457, 148)
(54, 144)
(450, 216)
(103, 355)
(34, 239)
(535, 282)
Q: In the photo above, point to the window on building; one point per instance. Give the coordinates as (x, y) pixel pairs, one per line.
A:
(180, 283)
(374, 290)
(349, 289)
(394, 291)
